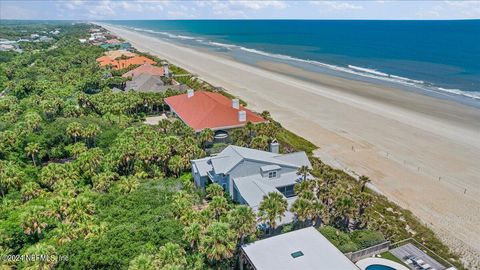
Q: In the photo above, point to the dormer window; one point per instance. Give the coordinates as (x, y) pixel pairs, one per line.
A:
(270, 171)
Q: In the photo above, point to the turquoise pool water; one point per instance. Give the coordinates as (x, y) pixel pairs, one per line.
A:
(379, 267)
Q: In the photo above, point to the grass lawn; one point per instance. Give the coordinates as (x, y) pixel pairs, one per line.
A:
(389, 256)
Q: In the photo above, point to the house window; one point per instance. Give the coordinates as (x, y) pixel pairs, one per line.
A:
(272, 174)
(287, 191)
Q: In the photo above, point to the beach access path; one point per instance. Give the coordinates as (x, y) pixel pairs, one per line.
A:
(422, 153)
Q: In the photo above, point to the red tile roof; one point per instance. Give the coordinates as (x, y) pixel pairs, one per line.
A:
(124, 63)
(145, 69)
(209, 110)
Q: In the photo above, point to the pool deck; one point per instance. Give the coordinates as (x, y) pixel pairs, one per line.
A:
(364, 263)
(409, 249)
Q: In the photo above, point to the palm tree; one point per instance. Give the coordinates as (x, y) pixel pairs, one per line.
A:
(164, 125)
(302, 209)
(192, 234)
(11, 176)
(90, 133)
(304, 189)
(272, 207)
(344, 209)
(364, 180)
(218, 206)
(213, 190)
(33, 120)
(33, 221)
(205, 136)
(75, 130)
(318, 212)
(53, 174)
(30, 190)
(103, 181)
(76, 149)
(260, 142)
(243, 221)
(79, 210)
(175, 165)
(250, 129)
(266, 115)
(32, 150)
(182, 202)
(170, 256)
(64, 233)
(142, 262)
(218, 243)
(364, 200)
(128, 184)
(303, 171)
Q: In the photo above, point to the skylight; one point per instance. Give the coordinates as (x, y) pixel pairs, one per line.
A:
(297, 254)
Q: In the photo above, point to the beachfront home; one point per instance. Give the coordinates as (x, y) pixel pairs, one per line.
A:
(105, 61)
(119, 53)
(146, 68)
(305, 249)
(150, 78)
(202, 109)
(249, 174)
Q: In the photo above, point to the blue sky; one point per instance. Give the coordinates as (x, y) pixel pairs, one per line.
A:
(225, 9)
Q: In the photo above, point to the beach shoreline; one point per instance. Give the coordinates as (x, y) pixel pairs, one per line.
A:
(419, 151)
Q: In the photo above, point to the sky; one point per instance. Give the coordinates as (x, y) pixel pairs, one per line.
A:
(237, 9)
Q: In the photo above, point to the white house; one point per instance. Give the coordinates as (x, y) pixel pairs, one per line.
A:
(305, 249)
(248, 174)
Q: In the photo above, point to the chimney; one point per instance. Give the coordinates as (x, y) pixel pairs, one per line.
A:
(236, 103)
(242, 116)
(274, 147)
(166, 71)
(190, 93)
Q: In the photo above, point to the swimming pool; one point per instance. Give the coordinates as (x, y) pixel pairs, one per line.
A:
(379, 267)
(379, 264)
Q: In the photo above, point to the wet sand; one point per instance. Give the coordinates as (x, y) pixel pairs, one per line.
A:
(421, 152)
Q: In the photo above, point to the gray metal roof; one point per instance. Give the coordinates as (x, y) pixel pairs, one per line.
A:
(267, 168)
(276, 252)
(232, 155)
(202, 166)
(146, 82)
(253, 191)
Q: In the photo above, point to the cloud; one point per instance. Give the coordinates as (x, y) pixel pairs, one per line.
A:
(256, 5)
(237, 9)
(337, 5)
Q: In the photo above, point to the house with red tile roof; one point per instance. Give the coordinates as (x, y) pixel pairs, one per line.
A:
(201, 110)
(146, 68)
(124, 63)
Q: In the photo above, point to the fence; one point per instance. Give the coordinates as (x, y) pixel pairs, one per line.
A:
(368, 252)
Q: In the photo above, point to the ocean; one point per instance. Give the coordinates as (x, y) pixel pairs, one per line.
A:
(440, 58)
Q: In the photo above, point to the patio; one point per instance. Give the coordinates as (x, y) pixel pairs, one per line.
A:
(423, 260)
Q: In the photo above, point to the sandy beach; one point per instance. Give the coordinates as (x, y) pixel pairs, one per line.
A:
(422, 153)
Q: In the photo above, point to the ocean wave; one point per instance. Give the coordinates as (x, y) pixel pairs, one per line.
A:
(470, 94)
(350, 69)
(368, 70)
(223, 45)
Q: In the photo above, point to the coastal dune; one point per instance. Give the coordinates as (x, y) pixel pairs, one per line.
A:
(421, 152)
